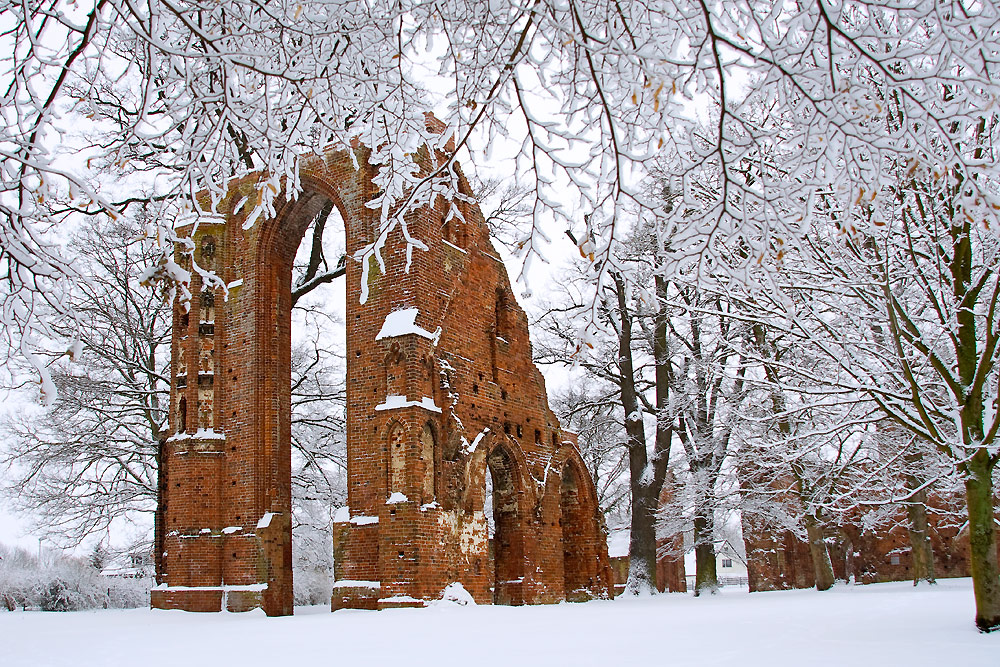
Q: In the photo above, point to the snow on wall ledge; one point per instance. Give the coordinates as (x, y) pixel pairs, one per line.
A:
(245, 588)
(363, 520)
(397, 402)
(200, 434)
(404, 322)
(357, 583)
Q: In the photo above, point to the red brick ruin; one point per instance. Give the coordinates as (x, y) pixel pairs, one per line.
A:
(779, 559)
(441, 387)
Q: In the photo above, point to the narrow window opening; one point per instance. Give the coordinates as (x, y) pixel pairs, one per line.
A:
(182, 411)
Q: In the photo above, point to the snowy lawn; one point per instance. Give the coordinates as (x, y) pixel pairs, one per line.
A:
(884, 625)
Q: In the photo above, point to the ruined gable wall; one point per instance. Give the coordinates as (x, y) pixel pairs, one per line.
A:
(416, 403)
(478, 375)
(779, 559)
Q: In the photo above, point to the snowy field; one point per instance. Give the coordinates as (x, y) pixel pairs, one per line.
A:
(884, 625)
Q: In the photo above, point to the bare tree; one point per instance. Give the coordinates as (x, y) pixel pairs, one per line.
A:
(708, 387)
(590, 411)
(903, 299)
(620, 360)
(930, 350)
(806, 460)
(90, 459)
(191, 94)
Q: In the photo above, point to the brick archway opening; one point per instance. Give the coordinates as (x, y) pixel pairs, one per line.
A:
(318, 377)
(573, 520)
(281, 247)
(507, 539)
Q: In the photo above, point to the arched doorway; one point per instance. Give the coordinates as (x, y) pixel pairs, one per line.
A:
(577, 552)
(280, 245)
(505, 525)
(318, 446)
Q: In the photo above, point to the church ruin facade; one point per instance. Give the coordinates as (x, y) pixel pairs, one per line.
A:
(441, 388)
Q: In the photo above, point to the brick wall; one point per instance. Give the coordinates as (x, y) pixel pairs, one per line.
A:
(428, 412)
(780, 559)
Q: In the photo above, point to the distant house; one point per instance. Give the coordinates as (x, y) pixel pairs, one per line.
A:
(676, 575)
(730, 564)
(134, 565)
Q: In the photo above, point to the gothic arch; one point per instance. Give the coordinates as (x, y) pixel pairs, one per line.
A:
(586, 568)
(280, 238)
(510, 522)
(475, 471)
(568, 457)
(573, 519)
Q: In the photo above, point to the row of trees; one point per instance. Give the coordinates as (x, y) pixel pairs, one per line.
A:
(855, 366)
(53, 582)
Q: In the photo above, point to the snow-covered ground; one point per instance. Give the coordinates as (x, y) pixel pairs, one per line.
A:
(884, 625)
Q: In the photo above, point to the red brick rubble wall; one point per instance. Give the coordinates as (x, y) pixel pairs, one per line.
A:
(779, 559)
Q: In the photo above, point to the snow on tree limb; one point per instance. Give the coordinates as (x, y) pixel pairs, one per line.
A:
(781, 104)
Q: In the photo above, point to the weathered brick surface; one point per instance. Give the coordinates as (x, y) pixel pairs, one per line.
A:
(473, 399)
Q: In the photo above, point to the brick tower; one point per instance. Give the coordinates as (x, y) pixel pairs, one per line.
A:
(440, 388)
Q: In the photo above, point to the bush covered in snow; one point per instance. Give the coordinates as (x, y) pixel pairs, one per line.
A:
(312, 546)
(59, 583)
(312, 586)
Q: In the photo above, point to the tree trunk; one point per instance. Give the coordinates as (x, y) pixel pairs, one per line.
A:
(920, 539)
(822, 567)
(642, 541)
(983, 542)
(706, 579)
(664, 420)
(848, 557)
